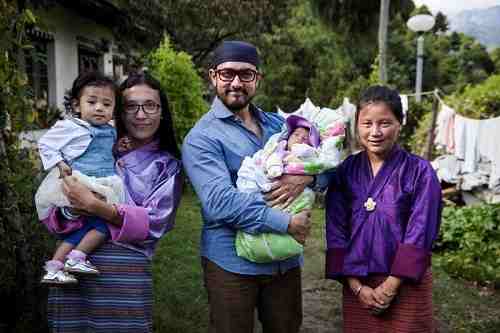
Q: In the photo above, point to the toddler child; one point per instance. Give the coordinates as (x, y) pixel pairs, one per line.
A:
(79, 146)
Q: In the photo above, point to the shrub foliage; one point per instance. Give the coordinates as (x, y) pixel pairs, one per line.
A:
(470, 241)
(181, 82)
(24, 244)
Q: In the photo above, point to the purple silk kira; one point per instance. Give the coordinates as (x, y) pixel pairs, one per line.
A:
(384, 224)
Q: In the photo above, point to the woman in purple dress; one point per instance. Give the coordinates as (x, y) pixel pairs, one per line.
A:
(383, 214)
(120, 299)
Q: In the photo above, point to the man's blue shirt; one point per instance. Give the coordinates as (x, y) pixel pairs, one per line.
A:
(212, 154)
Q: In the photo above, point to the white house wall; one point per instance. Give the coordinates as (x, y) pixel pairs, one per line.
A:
(66, 25)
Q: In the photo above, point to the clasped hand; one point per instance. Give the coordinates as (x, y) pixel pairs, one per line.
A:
(377, 299)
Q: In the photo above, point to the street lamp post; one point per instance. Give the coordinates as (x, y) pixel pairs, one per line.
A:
(420, 24)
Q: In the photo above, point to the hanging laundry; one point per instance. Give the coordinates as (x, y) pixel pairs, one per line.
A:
(404, 104)
(466, 142)
(447, 168)
(445, 125)
(349, 111)
(489, 149)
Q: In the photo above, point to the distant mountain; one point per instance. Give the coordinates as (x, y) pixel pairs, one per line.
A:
(482, 24)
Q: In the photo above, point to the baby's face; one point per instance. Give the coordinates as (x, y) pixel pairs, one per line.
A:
(299, 135)
(96, 105)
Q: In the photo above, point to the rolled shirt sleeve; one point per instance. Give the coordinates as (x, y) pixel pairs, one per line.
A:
(413, 254)
(65, 140)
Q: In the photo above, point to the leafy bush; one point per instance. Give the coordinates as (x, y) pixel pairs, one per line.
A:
(480, 101)
(25, 244)
(181, 82)
(470, 241)
(414, 133)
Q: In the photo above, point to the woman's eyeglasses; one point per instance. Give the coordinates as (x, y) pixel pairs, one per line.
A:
(228, 75)
(148, 108)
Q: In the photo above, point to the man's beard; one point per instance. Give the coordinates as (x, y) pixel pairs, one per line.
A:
(236, 106)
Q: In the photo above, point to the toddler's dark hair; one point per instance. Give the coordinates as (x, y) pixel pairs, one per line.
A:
(87, 79)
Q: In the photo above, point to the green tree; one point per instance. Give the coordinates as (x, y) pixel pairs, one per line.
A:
(495, 57)
(183, 85)
(454, 41)
(359, 17)
(442, 25)
(356, 16)
(24, 243)
(306, 59)
(198, 26)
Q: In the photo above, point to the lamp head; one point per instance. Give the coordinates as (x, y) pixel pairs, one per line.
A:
(421, 23)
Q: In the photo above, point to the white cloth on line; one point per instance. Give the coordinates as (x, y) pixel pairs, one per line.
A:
(445, 128)
(447, 168)
(466, 142)
(404, 104)
(349, 111)
(489, 148)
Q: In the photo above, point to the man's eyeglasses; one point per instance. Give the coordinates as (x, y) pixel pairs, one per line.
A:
(148, 108)
(228, 75)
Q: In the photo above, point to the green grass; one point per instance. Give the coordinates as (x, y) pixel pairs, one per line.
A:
(463, 307)
(181, 303)
(179, 295)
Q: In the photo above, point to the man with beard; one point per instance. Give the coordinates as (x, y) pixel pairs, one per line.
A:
(212, 153)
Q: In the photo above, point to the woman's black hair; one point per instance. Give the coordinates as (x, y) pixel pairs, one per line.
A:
(165, 132)
(382, 94)
(87, 79)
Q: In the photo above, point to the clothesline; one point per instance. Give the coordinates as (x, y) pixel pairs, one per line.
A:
(422, 93)
(434, 92)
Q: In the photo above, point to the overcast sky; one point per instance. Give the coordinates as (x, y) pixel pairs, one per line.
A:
(451, 7)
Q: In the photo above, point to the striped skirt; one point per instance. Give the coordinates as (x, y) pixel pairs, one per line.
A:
(118, 300)
(410, 312)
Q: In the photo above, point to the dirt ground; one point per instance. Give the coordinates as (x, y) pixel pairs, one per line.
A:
(322, 307)
(322, 299)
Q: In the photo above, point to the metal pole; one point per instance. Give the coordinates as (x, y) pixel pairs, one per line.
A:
(430, 135)
(382, 40)
(420, 60)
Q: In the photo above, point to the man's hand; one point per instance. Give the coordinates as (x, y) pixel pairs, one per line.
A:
(300, 226)
(286, 189)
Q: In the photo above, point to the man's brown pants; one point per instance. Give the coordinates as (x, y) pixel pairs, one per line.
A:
(234, 297)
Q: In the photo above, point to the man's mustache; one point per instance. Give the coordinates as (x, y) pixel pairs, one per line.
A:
(243, 91)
